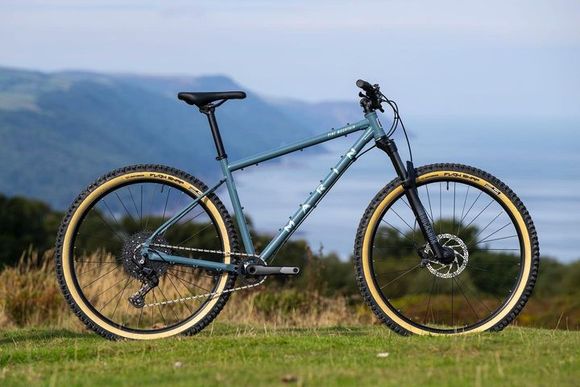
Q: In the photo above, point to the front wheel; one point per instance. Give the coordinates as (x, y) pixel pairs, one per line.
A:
(493, 238)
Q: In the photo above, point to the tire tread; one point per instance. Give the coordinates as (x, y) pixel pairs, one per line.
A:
(379, 197)
(212, 314)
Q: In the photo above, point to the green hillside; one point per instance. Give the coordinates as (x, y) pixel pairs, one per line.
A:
(59, 131)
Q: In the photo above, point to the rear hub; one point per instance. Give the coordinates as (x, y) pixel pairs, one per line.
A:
(135, 264)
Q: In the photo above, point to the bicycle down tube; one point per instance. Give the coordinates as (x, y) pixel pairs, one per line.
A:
(372, 129)
(316, 196)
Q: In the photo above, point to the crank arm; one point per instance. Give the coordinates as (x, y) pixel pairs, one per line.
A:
(260, 270)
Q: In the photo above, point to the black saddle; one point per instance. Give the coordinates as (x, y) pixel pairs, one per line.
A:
(201, 99)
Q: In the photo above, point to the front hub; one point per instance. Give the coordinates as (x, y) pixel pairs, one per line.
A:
(454, 244)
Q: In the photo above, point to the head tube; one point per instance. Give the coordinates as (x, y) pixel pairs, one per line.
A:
(376, 125)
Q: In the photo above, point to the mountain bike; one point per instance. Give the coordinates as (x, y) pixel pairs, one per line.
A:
(149, 251)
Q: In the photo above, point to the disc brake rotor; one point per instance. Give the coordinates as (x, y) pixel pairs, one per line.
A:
(458, 264)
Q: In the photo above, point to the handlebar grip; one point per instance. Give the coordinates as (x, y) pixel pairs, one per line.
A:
(364, 85)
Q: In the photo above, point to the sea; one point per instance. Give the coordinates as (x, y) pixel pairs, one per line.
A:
(539, 159)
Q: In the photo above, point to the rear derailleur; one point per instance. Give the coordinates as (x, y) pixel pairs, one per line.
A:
(150, 281)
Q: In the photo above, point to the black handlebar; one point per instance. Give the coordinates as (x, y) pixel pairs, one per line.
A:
(372, 99)
(365, 86)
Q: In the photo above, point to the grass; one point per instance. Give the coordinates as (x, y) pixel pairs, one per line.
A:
(244, 355)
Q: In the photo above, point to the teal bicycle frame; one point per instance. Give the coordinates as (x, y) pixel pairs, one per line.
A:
(372, 130)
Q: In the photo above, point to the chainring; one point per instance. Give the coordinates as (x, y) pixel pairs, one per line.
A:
(248, 279)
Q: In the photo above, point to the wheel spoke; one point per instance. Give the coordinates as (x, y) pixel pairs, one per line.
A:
(170, 304)
(477, 216)
(468, 211)
(123, 204)
(395, 271)
(429, 301)
(95, 268)
(158, 307)
(189, 282)
(179, 293)
(140, 317)
(452, 312)
(141, 208)
(461, 302)
(401, 276)
(196, 234)
(497, 239)
(489, 224)
(119, 237)
(440, 208)
(478, 299)
(493, 233)
(133, 200)
(399, 231)
(410, 228)
(166, 201)
(453, 225)
(120, 297)
(95, 280)
(104, 255)
(110, 287)
(466, 299)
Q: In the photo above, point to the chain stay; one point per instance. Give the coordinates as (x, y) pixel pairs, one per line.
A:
(206, 295)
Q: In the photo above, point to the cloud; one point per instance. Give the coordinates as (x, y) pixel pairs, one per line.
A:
(446, 52)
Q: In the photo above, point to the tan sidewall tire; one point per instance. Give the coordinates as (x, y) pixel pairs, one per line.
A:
(64, 253)
(461, 173)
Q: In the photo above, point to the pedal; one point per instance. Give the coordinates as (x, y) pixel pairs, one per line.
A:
(271, 270)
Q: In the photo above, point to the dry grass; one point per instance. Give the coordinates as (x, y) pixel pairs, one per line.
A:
(30, 297)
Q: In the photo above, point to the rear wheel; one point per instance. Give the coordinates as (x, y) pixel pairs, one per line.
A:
(105, 226)
(492, 236)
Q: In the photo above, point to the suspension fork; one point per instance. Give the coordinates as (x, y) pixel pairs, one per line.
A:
(408, 177)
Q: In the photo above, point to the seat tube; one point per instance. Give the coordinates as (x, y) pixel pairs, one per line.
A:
(238, 209)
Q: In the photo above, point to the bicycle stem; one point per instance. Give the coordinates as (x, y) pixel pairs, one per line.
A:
(408, 178)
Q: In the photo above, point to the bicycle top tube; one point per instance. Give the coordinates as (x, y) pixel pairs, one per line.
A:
(299, 145)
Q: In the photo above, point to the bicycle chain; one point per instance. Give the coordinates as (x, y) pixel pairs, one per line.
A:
(212, 294)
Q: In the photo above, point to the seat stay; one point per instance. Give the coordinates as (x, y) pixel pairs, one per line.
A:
(179, 215)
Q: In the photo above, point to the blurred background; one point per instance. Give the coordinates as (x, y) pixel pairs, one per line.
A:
(86, 87)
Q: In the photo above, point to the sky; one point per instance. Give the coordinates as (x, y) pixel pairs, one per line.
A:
(493, 59)
(441, 58)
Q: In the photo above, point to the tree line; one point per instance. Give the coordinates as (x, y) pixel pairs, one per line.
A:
(30, 225)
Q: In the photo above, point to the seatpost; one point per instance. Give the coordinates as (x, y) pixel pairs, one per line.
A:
(209, 111)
